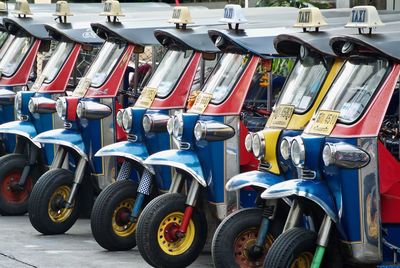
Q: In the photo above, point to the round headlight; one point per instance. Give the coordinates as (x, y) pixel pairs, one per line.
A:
(297, 152)
(79, 110)
(199, 130)
(61, 108)
(285, 149)
(119, 117)
(258, 145)
(18, 102)
(327, 155)
(32, 106)
(170, 125)
(248, 141)
(147, 122)
(178, 126)
(127, 120)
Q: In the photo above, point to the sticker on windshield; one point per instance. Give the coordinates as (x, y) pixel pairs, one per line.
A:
(280, 117)
(82, 87)
(201, 102)
(38, 83)
(147, 97)
(324, 122)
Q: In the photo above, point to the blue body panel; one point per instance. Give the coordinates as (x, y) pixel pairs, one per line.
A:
(7, 115)
(65, 137)
(315, 190)
(253, 178)
(290, 171)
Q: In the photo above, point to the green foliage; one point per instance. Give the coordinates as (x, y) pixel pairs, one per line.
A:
(282, 66)
(291, 3)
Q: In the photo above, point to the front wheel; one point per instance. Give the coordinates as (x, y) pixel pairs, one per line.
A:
(111, 226)
(233, 243)
(156, 229)
(47, 205)
(13, 197)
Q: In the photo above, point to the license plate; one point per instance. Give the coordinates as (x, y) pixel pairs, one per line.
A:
(201, 102)
(324, 122)
(147, 97)
(280, 117)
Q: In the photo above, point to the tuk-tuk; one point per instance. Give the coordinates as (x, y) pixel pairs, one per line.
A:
(346, 194)
(36, 109)
(172, 228)
(186, 64)
(243, 238)
(189, 60)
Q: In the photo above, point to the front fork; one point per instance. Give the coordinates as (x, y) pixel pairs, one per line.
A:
(268, 216)
(293, 220)
(58, 161)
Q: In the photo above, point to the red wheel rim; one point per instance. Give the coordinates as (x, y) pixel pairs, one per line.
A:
(15, 196)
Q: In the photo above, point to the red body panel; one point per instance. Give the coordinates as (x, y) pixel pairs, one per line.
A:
(72, 105)
(178, 97)
(371, 121)
(59, 83)
(121, 134)
(389, 178)
(248, 161)
(22, 74)
(110, 87)
(233, 104)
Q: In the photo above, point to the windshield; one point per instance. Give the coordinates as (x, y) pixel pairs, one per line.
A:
(355, 86)
(15, 55)
(303, 84)
(225, 75)
(55, 62)
(3, 38)
(107, 58)
(168, 72)
(6, 44)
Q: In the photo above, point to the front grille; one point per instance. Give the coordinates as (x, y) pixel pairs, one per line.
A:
(306, 174)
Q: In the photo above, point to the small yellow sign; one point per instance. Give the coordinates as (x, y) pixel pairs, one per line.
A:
(280, 117)
(201, 102)
(324, 122)
(147, 97)
(82, 87)
(38, 83)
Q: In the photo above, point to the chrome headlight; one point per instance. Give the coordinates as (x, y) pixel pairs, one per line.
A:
(177, 130)
(147, 122)
(344, 155)
(199, 130)
(170, 125)
(92, 110)
(41, 105)
(18, 103)
(127, 120)
(61, 108)
(297, 151)
(32, 106)
(119, 117)
(285, 148)
(155, 122)
(248, 142)
(213, 131)
(327, 155)
(79, 110)
(258, 145)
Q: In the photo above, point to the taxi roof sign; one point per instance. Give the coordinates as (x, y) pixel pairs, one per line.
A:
(310, 17)
(181, 15)
(233, 14)
(3, 7)
(112, 8)
(364, 17)
(62, 9)
(22, 8)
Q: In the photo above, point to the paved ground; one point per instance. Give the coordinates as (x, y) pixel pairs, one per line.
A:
(21, 246)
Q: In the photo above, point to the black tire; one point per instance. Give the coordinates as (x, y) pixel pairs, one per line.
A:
(233, 240)
(289, 246)
(15, 202)
(49, 183)
(148, 227)
(109, 230)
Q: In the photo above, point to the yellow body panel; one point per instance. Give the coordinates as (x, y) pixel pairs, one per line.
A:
(299, 121)
(271, 136)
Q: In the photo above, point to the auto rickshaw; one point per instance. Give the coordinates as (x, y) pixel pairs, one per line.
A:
(344, 202)
(243, 238)
(172, 228)
(90, 124)
(117, 208)
(36, 110)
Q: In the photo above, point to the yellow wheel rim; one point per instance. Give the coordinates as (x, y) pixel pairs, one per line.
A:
(121, 224)
(243, 244)
(59, 214)
(303, 260)
(181, 245)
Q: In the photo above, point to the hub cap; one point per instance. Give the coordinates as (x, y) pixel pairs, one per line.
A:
(303, 260)
(56, 209)
(121, 224)
(10, 193)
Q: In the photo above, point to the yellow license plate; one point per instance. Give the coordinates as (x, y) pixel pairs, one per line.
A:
(280, 117)
(147, 97)
(201, 102)
(324, 122)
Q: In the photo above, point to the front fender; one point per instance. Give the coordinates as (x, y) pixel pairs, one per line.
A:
(22, 128)
(182, 159)
(64, 137)
(315, 190)
(135, 151)
(253, 178)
